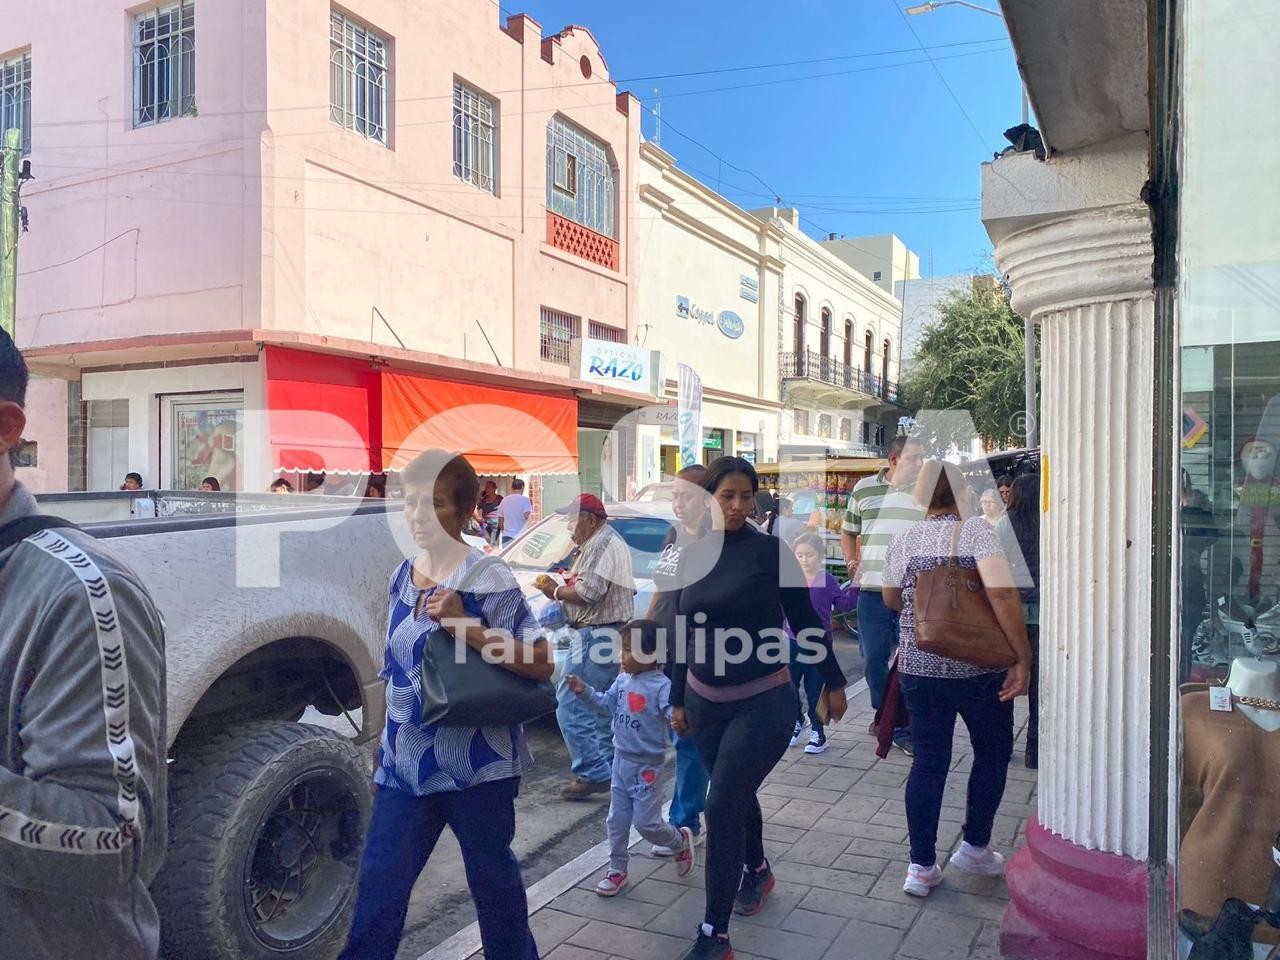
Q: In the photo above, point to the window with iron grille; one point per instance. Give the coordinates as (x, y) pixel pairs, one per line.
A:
(474, 125)
(555, 332)
(802, 421)
(824, 425)
(164, 63)
(846, 429)
(581, 180)
(602, 331)
(358, 65)
(15, 97)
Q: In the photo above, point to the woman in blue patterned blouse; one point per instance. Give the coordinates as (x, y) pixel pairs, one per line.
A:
(429, 777)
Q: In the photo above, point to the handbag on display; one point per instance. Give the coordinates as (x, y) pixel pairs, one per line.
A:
(954, 617)
(461, 689)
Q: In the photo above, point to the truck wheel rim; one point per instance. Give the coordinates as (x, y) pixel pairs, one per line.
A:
(302, 868)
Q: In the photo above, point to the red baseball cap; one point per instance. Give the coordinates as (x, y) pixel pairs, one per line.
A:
(585, 503)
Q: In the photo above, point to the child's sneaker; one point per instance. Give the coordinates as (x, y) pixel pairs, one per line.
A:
(798, 732)
(684, 856)
(920, 880)
(983, 861)
(817, 742)
(612, 884)
(660, 850)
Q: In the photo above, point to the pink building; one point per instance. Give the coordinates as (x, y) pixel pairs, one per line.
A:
(249, 206)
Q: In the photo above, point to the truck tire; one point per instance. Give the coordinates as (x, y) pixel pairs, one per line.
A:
(267, 822)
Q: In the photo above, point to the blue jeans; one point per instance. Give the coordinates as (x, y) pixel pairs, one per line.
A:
(934, 703)
(587, 734)
(877, 635)
(689, 798)
(403, 832)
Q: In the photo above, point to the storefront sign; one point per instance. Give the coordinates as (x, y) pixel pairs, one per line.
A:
(689, 400)
(688, 310)
(616, 365)
(712, 440)
(730, 324)
(749, 288)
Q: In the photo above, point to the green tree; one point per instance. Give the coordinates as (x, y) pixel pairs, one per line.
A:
(972, 359)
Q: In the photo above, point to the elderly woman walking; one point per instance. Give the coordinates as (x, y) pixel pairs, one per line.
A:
(937, 689)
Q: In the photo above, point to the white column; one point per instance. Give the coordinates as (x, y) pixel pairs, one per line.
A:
(1085, 277)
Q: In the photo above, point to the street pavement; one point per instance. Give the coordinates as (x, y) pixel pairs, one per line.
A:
(836, 834)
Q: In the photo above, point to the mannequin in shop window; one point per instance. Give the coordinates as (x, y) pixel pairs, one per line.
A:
(1231, 791)
(1257, 502)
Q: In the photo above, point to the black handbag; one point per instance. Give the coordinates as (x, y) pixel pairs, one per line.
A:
(467, 691)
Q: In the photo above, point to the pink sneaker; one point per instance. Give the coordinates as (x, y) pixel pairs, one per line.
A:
(612, 884)
(684, 854)
(920, 880)
(982, 861)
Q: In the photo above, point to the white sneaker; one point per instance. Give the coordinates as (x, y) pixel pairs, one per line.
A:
(920, 880)
(817, 742)
(798, 733)
(658, 850)
(983, 861)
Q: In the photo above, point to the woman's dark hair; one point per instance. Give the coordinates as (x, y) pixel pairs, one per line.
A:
(449, 472)
(942, 486)
(281, 484)
(1024, 520)
(693, 473)
(642, 637)
(722, 467)
(137, 477)
(810, 540)
(211, 481)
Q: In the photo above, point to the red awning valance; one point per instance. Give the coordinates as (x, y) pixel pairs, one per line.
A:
(500, 431)
(325, 412)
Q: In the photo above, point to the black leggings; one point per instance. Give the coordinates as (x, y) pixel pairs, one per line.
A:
(740, 743)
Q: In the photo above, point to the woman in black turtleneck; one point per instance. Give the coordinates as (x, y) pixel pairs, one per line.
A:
(733, 691)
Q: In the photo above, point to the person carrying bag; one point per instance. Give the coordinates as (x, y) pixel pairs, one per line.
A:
(465, 665)
(963, 652)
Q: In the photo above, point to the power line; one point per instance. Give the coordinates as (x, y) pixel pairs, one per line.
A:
(960, 106)
(399, 101)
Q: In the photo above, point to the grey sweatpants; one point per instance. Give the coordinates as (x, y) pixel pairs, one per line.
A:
(634, 799)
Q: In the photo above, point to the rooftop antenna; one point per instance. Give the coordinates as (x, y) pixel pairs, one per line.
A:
(657, 115)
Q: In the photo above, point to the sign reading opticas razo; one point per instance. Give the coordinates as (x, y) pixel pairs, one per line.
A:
(617, 365)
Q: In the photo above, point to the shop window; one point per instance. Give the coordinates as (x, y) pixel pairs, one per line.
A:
(603, 331)
(358, 65)
(15, 97)
(205, 438)
(474, 137)
(800, 320)
(164, 63)
(556, 330)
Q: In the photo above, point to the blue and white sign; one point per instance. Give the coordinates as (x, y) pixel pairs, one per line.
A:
(730, 324)
(687, 310)
(617, 365)
(749, 288)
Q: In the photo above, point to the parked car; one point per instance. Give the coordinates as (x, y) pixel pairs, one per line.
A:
(546, 547)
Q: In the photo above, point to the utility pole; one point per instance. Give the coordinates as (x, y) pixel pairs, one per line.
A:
(9, 231)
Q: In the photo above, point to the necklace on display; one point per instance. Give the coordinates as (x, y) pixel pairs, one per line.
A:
(1259, 702)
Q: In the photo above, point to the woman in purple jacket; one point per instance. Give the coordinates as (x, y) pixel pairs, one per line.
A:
(827, 595)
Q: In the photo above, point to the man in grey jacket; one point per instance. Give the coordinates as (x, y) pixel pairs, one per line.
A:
(82, 740)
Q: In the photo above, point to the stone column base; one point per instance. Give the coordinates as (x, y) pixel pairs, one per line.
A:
(1069, 903)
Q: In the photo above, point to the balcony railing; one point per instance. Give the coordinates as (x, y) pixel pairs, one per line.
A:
(814, 366)
(581, 241)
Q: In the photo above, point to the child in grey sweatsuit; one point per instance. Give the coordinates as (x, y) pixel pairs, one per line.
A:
(640, 701)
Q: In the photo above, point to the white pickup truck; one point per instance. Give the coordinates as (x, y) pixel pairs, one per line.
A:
(266, 813)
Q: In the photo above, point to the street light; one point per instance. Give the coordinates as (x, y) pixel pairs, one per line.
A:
(1028, 326)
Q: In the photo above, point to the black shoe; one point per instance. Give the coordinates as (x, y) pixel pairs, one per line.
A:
(902, 740)
(1031, 759)
(754, 891)
(1228, 937)
(709, 948)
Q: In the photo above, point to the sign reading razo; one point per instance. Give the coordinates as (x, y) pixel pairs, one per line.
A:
(617, 365)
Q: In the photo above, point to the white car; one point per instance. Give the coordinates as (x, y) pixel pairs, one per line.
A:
(546, 547)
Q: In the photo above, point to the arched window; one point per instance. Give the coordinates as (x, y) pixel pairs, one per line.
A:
(800, 322)
(866, 352)
(825, 343)
(848, 343)
(884, 362)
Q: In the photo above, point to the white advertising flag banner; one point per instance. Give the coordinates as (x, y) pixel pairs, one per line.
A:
(689, 411)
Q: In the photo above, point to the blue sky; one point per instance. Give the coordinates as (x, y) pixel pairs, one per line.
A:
(883, 149)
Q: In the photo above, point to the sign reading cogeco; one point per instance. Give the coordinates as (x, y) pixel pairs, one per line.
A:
(616, 365)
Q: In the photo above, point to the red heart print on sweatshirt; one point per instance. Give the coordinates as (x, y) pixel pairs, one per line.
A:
(635, 701)
(649, 776)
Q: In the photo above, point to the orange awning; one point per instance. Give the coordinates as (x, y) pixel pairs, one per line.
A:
(501, 431)
(324, 412)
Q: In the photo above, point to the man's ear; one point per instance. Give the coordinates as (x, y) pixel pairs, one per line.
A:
(13, 420)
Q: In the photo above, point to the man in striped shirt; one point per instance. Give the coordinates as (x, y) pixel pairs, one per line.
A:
(880, 508)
